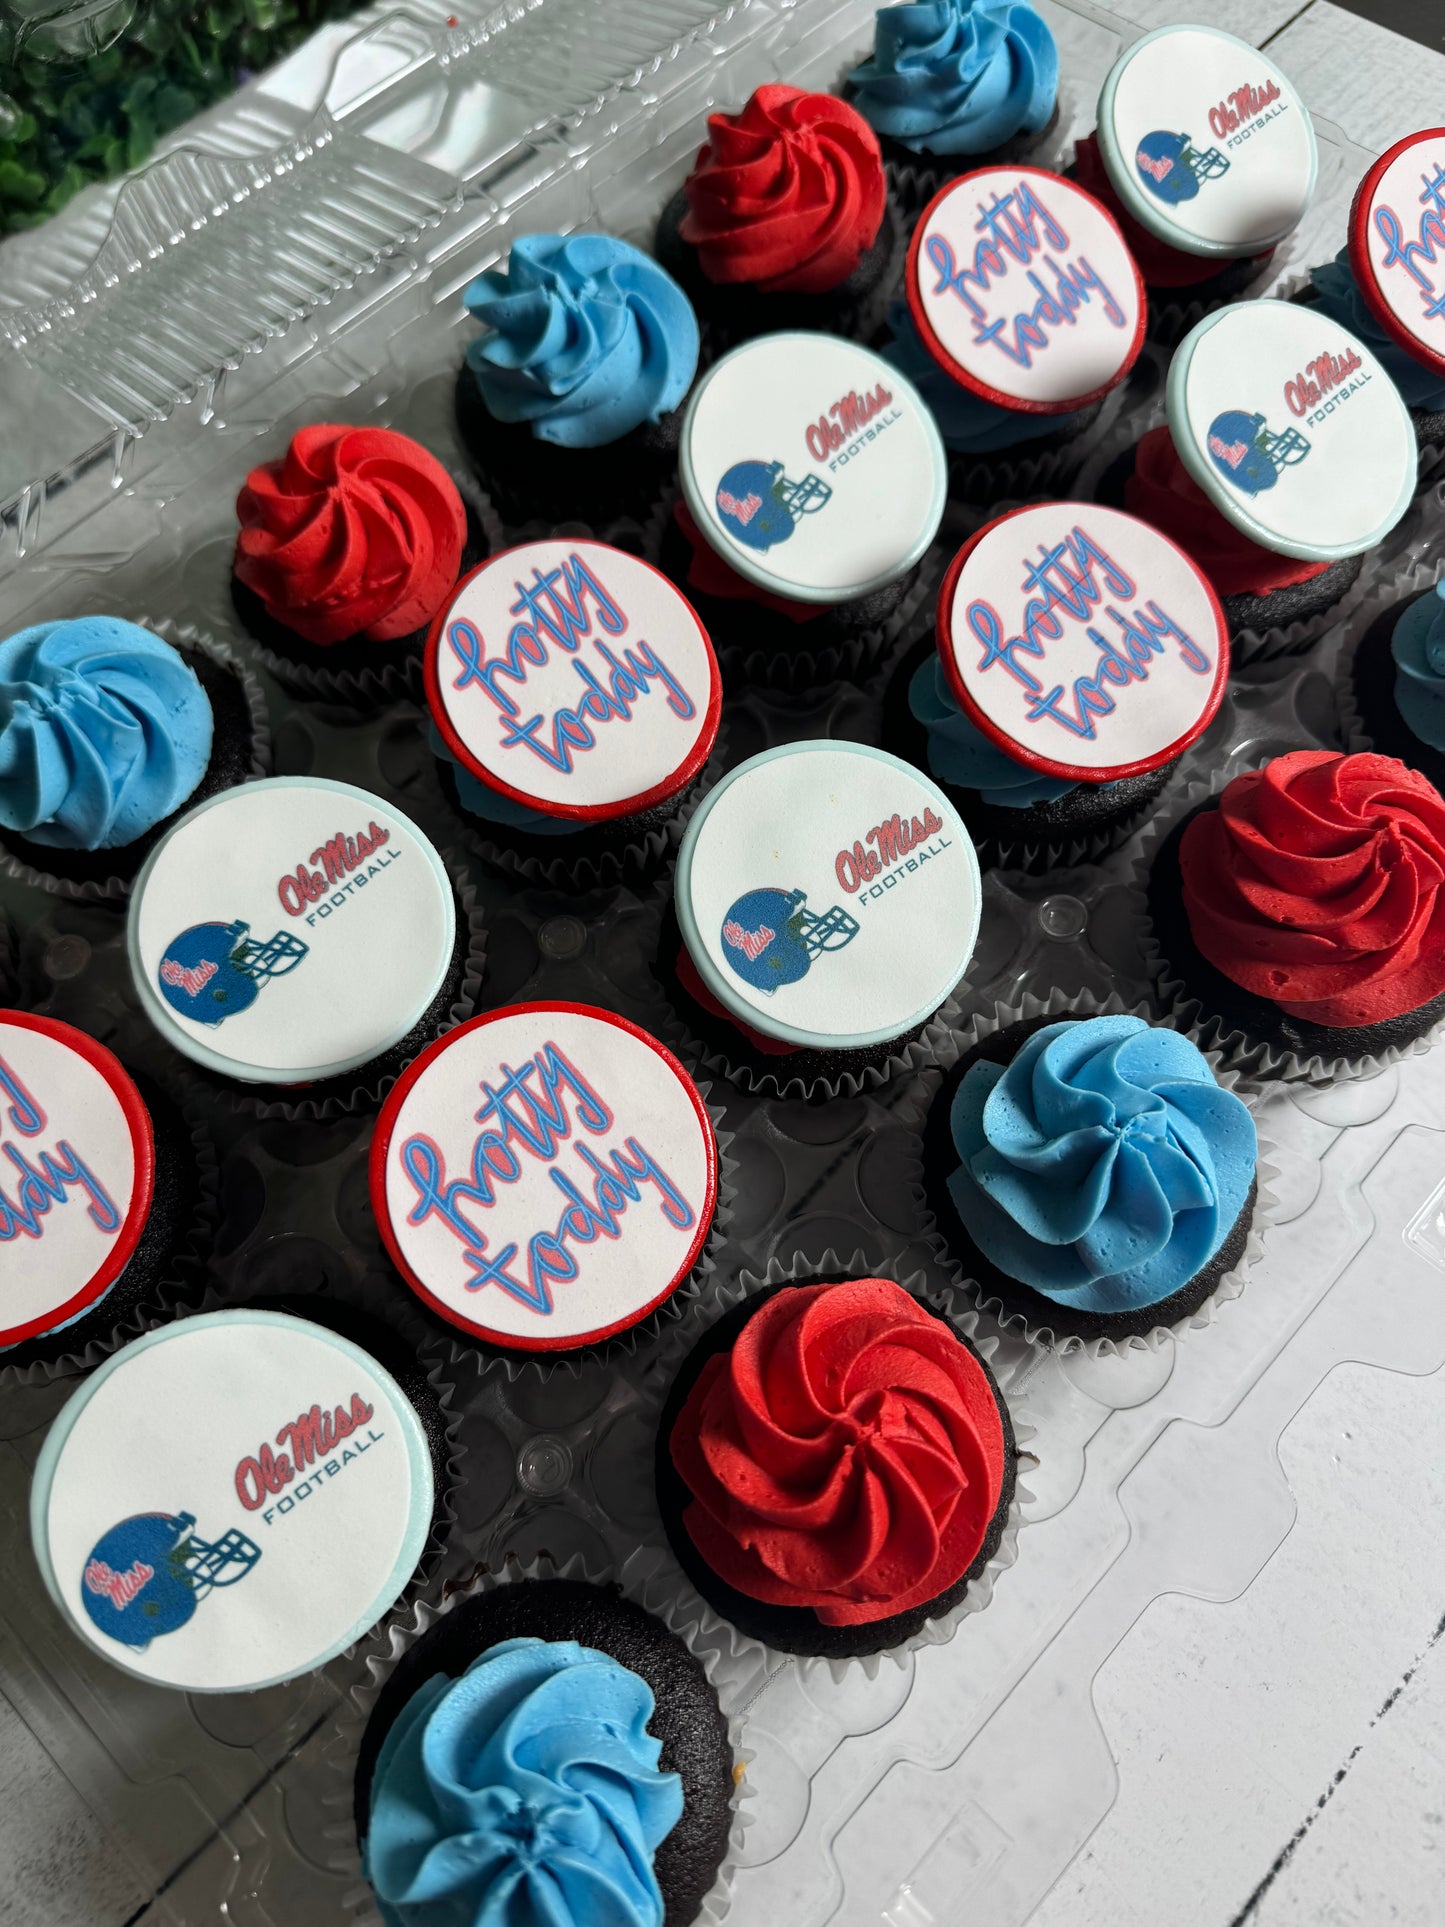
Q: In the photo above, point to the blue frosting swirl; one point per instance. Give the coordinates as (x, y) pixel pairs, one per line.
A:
(104, 732)
(478, 799)
(586, 338)
(968, 424)
(1103, 1166)
(524, 1794)
(1418, 646)
(1339, 297)
(958, 753)
(958, 76)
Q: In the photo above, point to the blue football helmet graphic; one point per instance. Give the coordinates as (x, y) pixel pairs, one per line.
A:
(770, 937)
(147, 1575)
(215, 970)
(759, 505)
(1171, 169)
(1249, 454)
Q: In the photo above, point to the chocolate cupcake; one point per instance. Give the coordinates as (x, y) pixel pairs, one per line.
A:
(569, 402)
(785, 222)
(1078, 654)
(1396, 677)
(835, 1465)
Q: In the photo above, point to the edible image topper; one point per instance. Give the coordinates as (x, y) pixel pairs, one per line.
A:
(812, 467)
(1206, 142)
(1082, 642)
(1397, 243)
(1023, 290)
(76, 1173)
(575, 679)
(1291, 426)
(828, 895)
(290, 930)
(231, 1501)
(544, 1176)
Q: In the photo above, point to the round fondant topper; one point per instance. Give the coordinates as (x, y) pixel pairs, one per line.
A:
(828, 895)
(1022, 289)
(76, 1174)
(544, 1176)
(1397, 244)
(1292, 428)
(1081, 641)
(231, 1501)
(290, 930)
(1206, 142)
(574, 679)
(812, 467)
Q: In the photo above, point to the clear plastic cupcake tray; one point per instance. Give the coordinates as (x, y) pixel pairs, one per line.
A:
(307, 266)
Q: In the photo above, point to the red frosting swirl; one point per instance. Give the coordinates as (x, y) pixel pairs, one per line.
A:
(1317, 883)
(1162, 492)
(710, 575)
(847, 1455)
(1160, 265)
(787, 195)
(356, 534)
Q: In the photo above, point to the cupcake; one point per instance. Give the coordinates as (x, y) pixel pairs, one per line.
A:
(1288, 455)
(545, 1751)
(825, 908)
(300, 938)
(1048, 762)
(1335, 290)
(956, 84)
(569, 400)
(1024, 310)
(1205, 155)
(785, 221)
(1089, 1176)
(107, 1197)
(348, 546)
(107, 732)
(568, 1205)
(575, 750)
(835, 1465)
(230, 1502)
(1397, 682)
(812, 485)
(1300, 911)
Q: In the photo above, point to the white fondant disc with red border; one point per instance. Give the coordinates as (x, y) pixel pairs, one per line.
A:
(828, 895)
(1397, 244)
(544, 1176)
(574, 679)
(290, 930)
(1208, 145)
(77, 1170)
(1022, 288)
(1082, 642)
(231, 1501)
(812, 467)
(1292, 428)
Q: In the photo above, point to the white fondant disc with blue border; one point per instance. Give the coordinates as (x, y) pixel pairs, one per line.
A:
(1207, 143)
(1397, 244)
(1022, 289)
(290, 930)
(544, 1176)
(812, 467)
(76, 1174)
(1082, 642)
(828, 895)
(1292, 428)
(574, 679)
(231, 1501)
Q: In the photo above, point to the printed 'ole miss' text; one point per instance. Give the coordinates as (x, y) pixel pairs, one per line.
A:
(33, 1183)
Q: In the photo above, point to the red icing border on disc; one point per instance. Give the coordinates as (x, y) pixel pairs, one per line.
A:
(1361, 265)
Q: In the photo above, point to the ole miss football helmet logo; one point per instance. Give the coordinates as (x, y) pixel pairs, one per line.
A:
(759, 505)
(148, 1574)
(770, 937)
(214, 970)
(1248, 453)
(1172, 170)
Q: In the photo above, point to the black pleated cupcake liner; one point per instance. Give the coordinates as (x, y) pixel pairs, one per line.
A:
(9, 961)
(1174, 311)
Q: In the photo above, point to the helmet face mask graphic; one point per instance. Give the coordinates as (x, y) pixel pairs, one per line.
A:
(1172, 170)
(1249, 454)
(770, 937)
(147, 1575)
(759, 505)
(213, 971)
